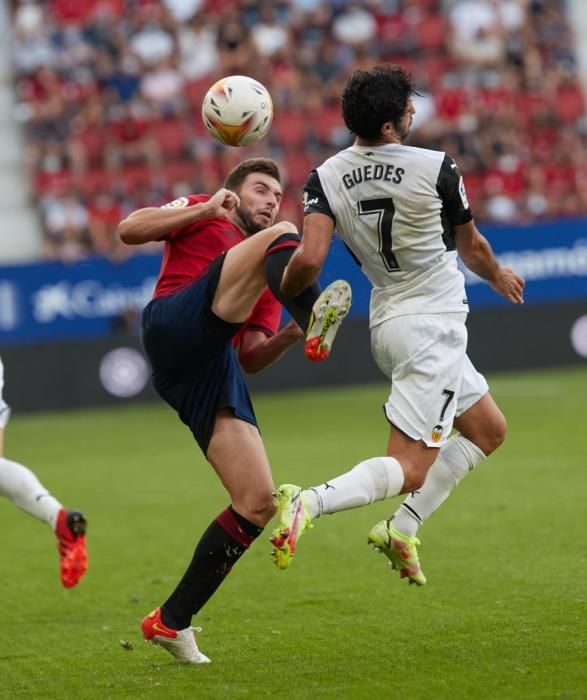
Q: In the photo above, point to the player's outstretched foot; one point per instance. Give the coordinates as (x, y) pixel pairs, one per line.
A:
(181, 644)
(293, 522)
(328, 312)
(399, 549)
(70, 531)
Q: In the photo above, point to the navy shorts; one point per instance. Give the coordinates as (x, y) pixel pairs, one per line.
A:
(194, 366)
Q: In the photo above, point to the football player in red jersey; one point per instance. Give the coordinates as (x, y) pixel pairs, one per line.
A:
(212, 296)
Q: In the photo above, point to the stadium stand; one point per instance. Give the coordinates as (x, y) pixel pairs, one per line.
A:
(109, 95)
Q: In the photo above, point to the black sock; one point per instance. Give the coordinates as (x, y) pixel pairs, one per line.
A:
(277, 256)
(221, 546)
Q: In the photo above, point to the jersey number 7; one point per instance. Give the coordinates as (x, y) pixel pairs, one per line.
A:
(385, 210)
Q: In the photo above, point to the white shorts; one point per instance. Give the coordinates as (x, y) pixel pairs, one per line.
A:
(4, 408)
(433, 380)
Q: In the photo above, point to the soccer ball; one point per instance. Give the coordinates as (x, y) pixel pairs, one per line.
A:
(237, 110)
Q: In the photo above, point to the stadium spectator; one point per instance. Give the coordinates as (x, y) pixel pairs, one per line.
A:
(269, 33)
(151, 41)
(503, 74)
(66, 224)
(197, 46)
(162, 89)
(104, 213)
(183, 11)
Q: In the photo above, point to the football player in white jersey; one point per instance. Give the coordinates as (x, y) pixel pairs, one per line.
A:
(21, 486)
(403, 214)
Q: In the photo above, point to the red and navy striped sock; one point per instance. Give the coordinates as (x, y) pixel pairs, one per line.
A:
(227, 538)
(277, 256)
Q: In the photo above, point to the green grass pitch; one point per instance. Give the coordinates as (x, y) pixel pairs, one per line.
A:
(503, 615)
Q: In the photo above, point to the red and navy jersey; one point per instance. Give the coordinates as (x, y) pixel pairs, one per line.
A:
(265, 317)
(188, 252)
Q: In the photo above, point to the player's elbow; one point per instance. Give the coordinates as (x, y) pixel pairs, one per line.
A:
(129, 232)
(250, 362)
(125, 232)
(250, 366)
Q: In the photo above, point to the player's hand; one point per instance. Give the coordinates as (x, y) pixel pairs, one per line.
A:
(222, 203)
(510, 285)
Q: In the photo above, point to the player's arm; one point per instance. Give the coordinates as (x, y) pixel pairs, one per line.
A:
(471, 245)
(475, 252)
(154, 223)
(306, 263)
(257, 350)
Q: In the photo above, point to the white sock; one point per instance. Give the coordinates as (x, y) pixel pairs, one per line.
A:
(21, 486)
(455, 460)
(372, 480)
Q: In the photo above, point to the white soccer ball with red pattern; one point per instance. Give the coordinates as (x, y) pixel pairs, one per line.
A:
(237, 110)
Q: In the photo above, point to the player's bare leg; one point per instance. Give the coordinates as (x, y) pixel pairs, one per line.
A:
(243, 275)
(21, 486)
(261, 260)
(481, 429)
(237, 454)
(374, 479)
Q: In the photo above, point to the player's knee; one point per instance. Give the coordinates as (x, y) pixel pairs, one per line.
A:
(284, 227)
(258, 508)
(414, 476)
(268, 507)
(499, 432)
(495, 434)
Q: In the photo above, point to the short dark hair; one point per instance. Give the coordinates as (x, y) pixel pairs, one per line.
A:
(238, 174)
(372, 97)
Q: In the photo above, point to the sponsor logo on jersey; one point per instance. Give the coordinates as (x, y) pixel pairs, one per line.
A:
(463, 193)
(177, 203)
(436, 433)
(308, 202)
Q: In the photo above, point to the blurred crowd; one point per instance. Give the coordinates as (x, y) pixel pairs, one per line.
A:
(109, 96)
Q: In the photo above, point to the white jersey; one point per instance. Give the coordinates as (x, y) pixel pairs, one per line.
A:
(394, 207)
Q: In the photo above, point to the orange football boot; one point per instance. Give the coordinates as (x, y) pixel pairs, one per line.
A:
(70, 531)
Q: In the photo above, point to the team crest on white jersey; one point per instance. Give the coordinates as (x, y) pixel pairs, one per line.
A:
(177, 203)
(436, 433)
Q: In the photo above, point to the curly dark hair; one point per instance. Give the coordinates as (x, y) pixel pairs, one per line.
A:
(238, 174)
(372, 97)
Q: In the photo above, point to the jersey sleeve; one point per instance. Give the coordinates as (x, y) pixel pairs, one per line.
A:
(180, 203)
(265, 316)
(451, 189)
(315, 201)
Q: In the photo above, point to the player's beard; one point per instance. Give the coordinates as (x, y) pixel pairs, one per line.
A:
(403, 130)
(247, 223)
